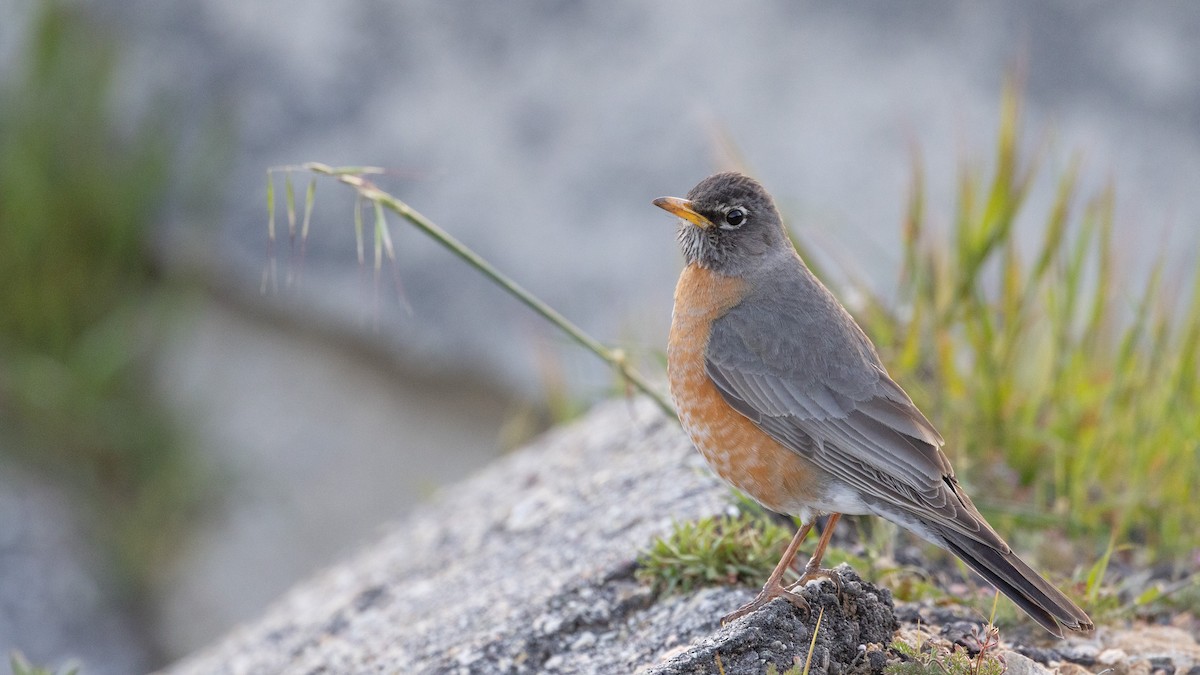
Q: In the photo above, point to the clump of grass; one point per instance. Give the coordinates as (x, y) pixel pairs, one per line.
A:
(1050, 363)
(719, 550)
(925, 656)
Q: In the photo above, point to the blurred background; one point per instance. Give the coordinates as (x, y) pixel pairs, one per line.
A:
(178, 447)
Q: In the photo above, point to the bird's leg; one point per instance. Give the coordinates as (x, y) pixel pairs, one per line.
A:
(813, 569)
(773, 588)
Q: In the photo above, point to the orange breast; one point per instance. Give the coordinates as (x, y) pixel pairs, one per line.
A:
(737, 450)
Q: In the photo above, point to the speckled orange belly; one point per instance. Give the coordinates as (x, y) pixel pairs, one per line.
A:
(737, 450)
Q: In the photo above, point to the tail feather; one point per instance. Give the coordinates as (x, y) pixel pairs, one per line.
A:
(1017, 580)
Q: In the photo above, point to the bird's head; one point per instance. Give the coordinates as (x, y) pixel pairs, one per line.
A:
(727, 224)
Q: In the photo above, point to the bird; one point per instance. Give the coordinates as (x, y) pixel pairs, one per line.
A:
(787, 399)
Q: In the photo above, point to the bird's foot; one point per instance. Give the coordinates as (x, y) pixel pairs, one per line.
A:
(813, 572)
(772, 590)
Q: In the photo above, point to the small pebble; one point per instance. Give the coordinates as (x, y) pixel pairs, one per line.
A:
(586, 639)
(1019, 664)
(1111, 657)
(1083, 654)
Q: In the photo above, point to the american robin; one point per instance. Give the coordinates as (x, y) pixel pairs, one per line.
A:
(787, 400)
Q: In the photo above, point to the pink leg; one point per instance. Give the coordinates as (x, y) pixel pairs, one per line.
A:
(773, 588)
(813, 569)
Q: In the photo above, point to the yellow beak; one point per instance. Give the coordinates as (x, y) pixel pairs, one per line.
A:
(684, 209)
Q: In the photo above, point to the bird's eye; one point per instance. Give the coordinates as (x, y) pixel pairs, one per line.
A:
(735, 217)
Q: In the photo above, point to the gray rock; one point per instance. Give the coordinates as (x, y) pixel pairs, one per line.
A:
(781, 634)
(529, 567)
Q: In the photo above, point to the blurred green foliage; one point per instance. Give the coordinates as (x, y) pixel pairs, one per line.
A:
(77, 201)
(1061, 385)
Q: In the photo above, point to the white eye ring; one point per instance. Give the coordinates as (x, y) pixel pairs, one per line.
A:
(735, 217)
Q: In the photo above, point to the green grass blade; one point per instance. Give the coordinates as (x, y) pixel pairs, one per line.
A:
(358, 230)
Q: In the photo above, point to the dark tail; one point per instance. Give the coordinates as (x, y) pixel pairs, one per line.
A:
(1025, 587)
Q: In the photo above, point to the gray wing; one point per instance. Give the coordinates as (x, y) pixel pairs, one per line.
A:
(812, 375)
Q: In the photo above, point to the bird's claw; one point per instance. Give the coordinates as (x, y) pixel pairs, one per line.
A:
(812, 573)
(766, 595)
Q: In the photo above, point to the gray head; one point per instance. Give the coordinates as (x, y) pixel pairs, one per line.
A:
(728, 224)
